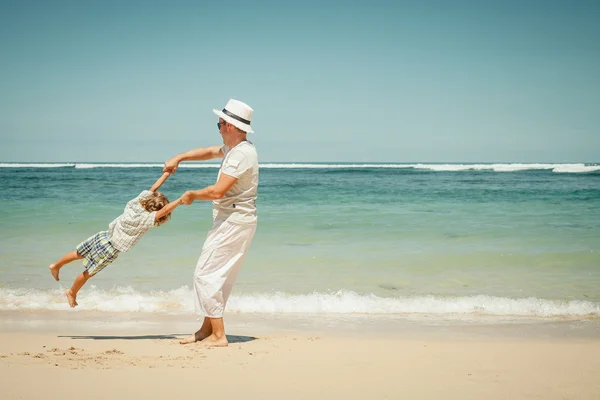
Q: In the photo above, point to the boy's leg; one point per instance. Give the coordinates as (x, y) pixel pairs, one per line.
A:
(78, 284)
(67, 258)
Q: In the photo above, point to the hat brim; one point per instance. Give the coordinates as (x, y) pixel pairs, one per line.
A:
(238, 124)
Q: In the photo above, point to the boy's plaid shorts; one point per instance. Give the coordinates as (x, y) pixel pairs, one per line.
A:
(97, 252)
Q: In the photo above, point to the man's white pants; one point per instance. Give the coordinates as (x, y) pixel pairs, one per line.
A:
(222, 257)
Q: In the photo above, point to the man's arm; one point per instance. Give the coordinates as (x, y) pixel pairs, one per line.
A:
(213, 192)
(159, 182)
(205, 153)
(168, 209)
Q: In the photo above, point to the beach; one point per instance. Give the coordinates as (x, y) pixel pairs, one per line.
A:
(425, 224)
(364, 281)
(110, 356)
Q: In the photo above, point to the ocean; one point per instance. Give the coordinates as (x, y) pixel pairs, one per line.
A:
(437, 240)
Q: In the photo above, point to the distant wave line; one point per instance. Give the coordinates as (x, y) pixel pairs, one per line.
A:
(497, 167)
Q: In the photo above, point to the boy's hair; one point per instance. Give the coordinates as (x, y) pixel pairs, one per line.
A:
(154, 203)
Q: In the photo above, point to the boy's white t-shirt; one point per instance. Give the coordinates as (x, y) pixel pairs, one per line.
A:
(238, 205)
(128, 228)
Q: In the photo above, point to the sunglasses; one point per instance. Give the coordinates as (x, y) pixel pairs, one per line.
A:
(220, 123)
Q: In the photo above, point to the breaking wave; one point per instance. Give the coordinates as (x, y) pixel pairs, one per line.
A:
(180, 301)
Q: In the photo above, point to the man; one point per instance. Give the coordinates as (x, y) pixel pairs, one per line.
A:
(234, 218)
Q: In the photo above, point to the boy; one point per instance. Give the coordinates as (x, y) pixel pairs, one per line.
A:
(150, 208)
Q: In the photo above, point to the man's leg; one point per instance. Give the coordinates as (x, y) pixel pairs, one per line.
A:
(78, 284)
(225, 258)
(202, 333)
(217, 338)
(206, 328)
(244, 238)
(67, 258)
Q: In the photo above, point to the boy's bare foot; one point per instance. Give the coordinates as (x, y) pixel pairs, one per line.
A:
(196, 337)
(71, 298)
(54, 271)
(213, 341)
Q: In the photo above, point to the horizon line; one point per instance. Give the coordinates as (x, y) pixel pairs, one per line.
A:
(310, 162)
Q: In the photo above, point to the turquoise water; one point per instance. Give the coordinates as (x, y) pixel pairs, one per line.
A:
(503, 239)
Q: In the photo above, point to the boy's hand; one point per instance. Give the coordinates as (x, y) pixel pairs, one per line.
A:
(171, 165)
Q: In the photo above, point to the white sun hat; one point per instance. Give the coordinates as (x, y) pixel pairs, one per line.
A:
(238, 114)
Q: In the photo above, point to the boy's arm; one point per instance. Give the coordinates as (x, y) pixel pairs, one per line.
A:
(200, 154)
(159, 182)
(168, 209)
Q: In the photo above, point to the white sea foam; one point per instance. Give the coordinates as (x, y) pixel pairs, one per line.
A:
(180, 301)
(501, 167)
(573, 168)
(35, 165)
(89, 166)
(333, 166)
(576, 168)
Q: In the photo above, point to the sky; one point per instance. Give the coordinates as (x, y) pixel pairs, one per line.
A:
(370, 81)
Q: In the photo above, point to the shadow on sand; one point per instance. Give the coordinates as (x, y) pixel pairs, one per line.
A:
(173, 336)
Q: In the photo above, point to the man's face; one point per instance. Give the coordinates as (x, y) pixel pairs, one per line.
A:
(223, 126)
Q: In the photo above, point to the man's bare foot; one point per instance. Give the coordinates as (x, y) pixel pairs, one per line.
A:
(54, 271)
(213, 341)
(72, 298)
(196, 337)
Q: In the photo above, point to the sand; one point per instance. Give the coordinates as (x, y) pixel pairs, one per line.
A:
(66, 359)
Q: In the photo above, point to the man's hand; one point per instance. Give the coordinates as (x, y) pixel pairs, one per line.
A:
(187, 198)
(171, 165)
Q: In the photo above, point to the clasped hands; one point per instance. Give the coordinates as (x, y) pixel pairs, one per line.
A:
(187, 198)
(170, 167)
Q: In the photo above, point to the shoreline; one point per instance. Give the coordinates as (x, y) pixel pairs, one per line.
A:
(373, 326)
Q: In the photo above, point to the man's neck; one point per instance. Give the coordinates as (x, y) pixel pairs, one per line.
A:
(234, 141)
